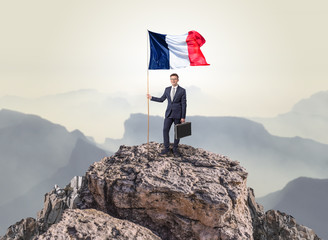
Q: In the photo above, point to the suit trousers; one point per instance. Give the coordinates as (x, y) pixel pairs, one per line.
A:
(166, 129)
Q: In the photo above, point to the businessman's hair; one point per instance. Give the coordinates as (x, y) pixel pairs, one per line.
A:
(174, 74)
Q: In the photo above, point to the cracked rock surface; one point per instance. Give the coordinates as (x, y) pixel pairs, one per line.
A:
(275, 225)
(93, 224)
(200, 195)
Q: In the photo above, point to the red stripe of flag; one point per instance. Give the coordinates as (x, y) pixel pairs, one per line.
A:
(194, 42)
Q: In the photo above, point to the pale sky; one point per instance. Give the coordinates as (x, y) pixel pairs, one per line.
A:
(265, 55)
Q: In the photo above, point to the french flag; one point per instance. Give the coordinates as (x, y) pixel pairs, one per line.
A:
(176, 51)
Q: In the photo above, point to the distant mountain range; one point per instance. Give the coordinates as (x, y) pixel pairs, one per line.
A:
(89, 110)
(270, 160)
(77, 109)
(305, 199)
(308, 118)
(36, 154)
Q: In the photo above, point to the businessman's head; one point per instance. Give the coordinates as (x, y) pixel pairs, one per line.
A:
(174, 79)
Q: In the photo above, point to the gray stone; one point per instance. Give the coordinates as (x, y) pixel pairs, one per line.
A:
(55, 203)
(93, 224)
(275, 225)
(201, 195)
(24, 229)
(58, 200)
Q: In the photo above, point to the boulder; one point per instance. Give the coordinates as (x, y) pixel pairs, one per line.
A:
(200, 195)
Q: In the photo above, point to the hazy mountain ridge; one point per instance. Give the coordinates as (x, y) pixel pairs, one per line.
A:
(308, 118)
(35, 155)
(77, 109)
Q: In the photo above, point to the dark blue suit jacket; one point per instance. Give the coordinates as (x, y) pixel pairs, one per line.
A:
(177, 108)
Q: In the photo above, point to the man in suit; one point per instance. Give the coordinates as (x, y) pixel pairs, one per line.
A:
(175, 111)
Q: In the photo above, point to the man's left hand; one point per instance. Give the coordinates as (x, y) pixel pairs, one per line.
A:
(182, 120)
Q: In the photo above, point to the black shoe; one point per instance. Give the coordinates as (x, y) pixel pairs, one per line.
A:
(164, 151)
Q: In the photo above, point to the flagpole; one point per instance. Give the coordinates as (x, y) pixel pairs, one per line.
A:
(147, 93)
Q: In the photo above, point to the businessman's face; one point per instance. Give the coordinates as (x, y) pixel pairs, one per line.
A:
(174, 80)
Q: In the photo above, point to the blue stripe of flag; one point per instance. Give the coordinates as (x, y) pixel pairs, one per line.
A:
(159, 51)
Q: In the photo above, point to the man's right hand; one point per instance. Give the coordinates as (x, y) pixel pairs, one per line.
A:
(148, 96)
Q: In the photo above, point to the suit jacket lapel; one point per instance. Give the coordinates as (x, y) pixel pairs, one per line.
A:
(170, 93)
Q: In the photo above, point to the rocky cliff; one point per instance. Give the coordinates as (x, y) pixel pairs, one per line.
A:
(137, 194)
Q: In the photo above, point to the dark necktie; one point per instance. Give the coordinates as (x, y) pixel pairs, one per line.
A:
(173, 93)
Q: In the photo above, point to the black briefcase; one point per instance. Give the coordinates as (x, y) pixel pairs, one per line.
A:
(182, 130)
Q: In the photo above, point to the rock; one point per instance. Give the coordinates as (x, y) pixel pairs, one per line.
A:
(58, 200)
(275, 225)
(24, 229)
(93, 224)
(55, 202)
(201, 195)
(279, 225)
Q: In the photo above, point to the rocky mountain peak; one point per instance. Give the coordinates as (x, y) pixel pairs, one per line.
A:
(200, 195)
